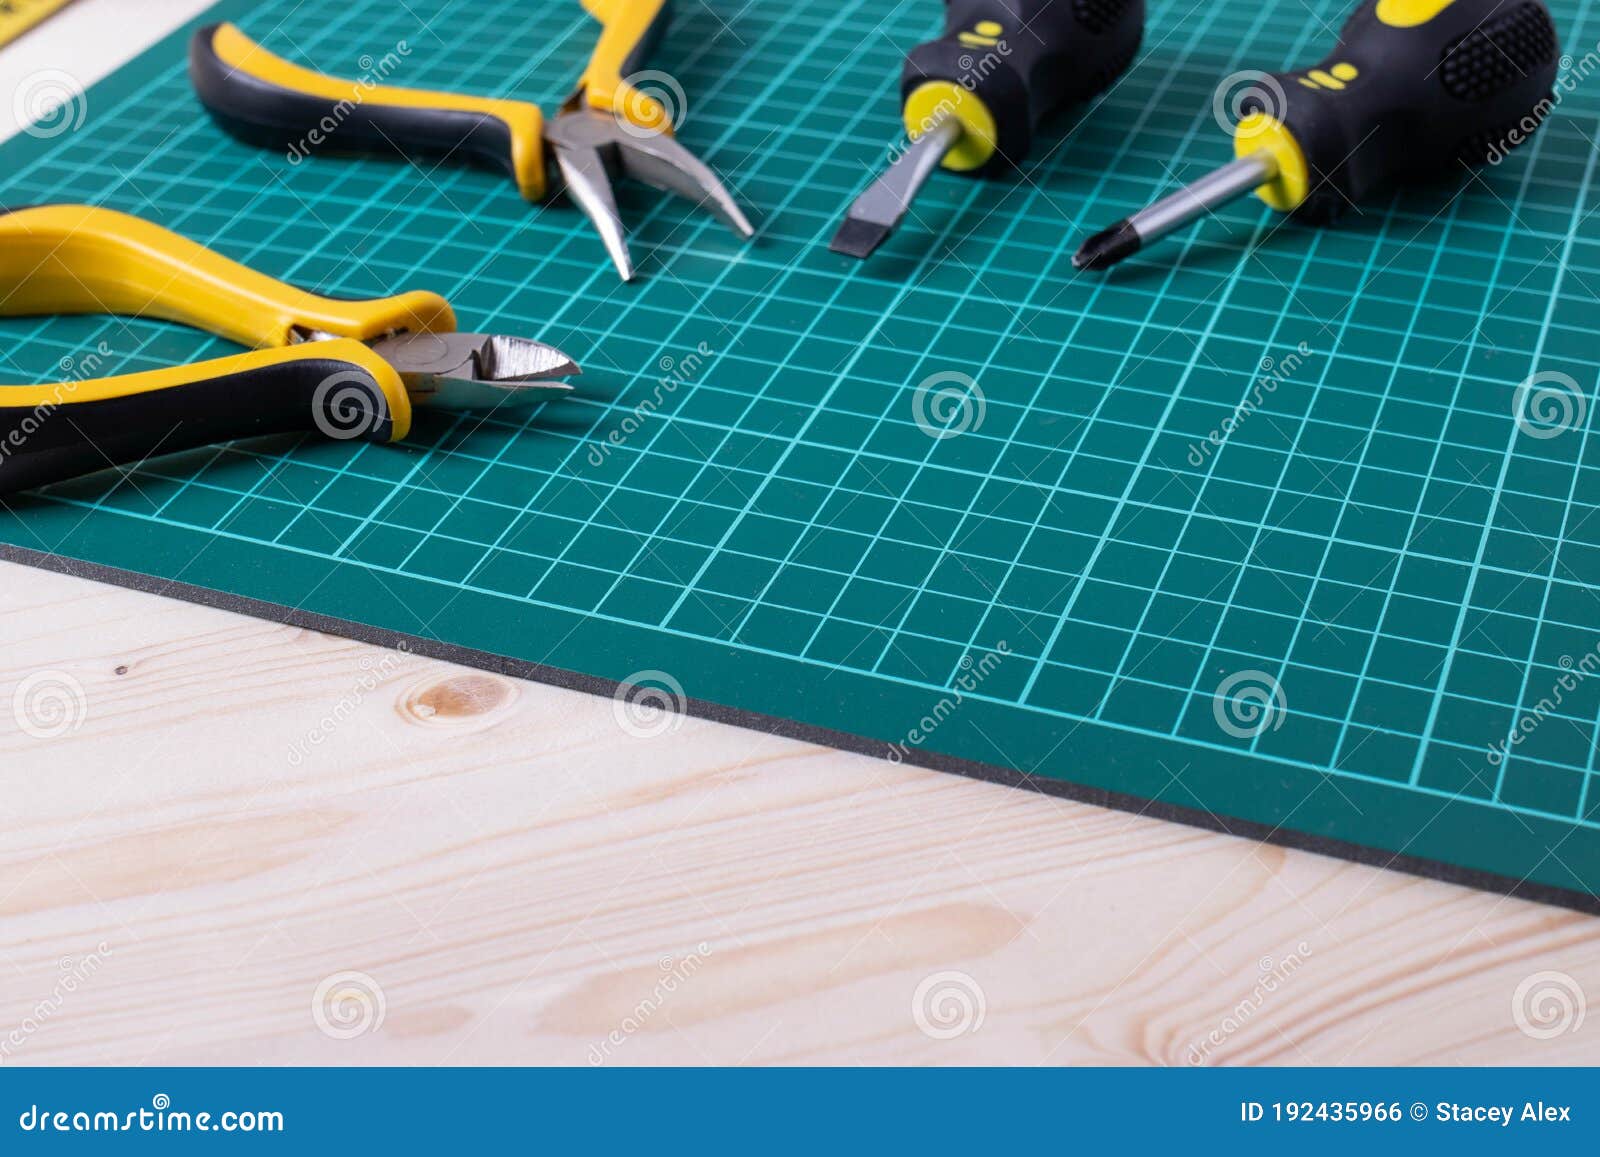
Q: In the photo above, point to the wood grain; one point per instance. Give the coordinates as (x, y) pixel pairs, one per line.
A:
(238, 811)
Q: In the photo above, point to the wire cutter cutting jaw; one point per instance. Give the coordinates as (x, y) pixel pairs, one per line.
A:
(594, 147)
(345, 369)
(475, 371)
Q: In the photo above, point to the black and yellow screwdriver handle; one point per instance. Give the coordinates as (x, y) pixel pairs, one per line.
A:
(78, 259)
(1414, 90)
(1002, 65)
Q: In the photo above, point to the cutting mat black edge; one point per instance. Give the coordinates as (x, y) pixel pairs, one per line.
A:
(805, 732)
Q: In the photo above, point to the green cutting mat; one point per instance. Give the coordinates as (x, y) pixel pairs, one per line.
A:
(1316, 631)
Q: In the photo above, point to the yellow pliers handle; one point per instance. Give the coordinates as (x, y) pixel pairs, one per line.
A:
(266, 100)
(78, 259)
(629, 32)
(608, 128)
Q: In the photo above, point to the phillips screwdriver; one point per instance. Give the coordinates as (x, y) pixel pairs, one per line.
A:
(1413, 89)
(972, 99)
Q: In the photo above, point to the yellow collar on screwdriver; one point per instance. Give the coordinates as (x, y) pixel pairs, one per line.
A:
(1258, 132)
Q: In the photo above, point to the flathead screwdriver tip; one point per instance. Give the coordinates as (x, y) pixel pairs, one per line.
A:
(857, 238)
(874, 214)
(1107, 247)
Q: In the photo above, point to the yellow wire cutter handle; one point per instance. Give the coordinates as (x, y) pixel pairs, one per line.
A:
(81, 259)
(78, 259)
(338, 388)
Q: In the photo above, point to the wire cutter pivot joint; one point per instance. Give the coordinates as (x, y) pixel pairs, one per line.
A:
(346, 369)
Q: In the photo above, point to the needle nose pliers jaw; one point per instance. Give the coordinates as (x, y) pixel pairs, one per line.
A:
(606, 129)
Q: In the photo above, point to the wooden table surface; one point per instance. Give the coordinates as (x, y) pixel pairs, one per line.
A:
(230, 841)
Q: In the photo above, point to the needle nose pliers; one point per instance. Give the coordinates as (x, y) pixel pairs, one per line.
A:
(606, 128)
(346, 369)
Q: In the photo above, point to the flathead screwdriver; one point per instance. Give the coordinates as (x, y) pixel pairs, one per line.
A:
(972, 99)
(1414, 90)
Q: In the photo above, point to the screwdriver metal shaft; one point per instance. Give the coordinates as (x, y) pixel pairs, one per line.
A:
(874, 214)
(973, 98)
(1414, 91)
(1172, 213)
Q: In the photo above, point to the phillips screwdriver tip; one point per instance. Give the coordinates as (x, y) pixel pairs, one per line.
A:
(1173, 212)
(1108, 247)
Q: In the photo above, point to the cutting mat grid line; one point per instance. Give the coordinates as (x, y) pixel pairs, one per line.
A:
(793, 55)
(1375, 536)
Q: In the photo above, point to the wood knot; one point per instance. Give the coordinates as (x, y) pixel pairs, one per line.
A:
(457, 698)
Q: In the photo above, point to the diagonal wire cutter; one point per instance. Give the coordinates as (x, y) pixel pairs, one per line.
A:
(605, 129)
(346, 369)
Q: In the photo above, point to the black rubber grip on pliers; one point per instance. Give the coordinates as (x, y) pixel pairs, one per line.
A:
(62, 438)
(274, 116)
